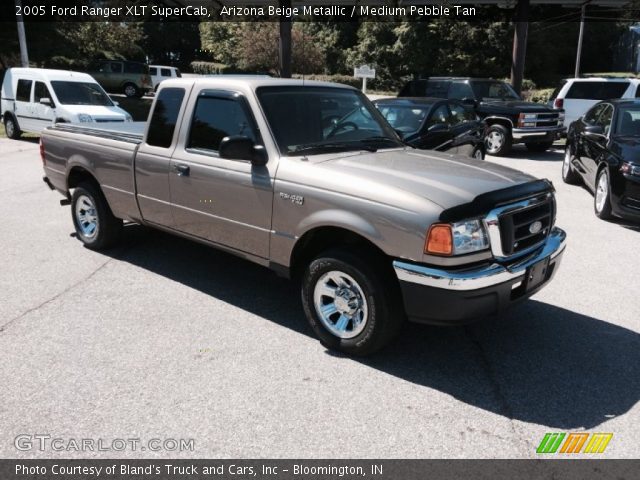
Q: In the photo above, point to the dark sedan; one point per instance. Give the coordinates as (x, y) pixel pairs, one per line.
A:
(603, 151)
(435, 124)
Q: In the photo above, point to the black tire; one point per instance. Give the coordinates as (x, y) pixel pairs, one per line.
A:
(538, 146)
(380, 294)
(605, 211)
(478, 153)
(11, 127)
(88, 198)
(131, 90)
(492, 146)
(569, 175)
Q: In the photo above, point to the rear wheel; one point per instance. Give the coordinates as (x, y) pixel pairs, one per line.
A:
(602, 197)
(95, 224)
(497, 140)
(130, 90)
(478, 154)
(348, 303)
(538, 146)
(569, 175)
(11, 127)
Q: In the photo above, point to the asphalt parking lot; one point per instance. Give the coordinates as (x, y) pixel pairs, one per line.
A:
(164, 338)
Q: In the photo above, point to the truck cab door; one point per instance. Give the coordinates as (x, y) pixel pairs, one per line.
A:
(225, 201)
(153, 158)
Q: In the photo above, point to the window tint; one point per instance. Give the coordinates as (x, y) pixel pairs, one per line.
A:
(23, 92)
(592, 115)
(597, 90)
(135, 68)
(440, 115)
(215, 118)
(461, 114)
(629, 121)
(165, 72)
(414, 88)
(638, 92)
(460, 90)
(41, 91)
(604, 119)
(437, 88)
(403, 118)
(153, 71)
(165, 116)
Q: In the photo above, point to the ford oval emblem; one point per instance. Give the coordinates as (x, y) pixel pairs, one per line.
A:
(535, 227)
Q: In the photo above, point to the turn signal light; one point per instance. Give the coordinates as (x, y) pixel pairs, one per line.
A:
(558, 103)
(439, 240)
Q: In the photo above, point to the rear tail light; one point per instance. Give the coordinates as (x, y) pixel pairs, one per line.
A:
(558, 103)
(44, 161)
(439, 240)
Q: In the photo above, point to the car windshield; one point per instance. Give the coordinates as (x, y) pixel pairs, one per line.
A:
(628, 122)
(493, 90)
(80, 93)
(405, 118)
(314, 120)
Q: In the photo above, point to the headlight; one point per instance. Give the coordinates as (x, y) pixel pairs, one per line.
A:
(456, 238)
(630, 169)
(83, 117)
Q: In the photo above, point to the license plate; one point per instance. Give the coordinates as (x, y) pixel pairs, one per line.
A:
(536, 274)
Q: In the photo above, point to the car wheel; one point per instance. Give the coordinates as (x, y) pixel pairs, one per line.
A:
(602, 197)
(95, 224)
(538, 146)
(130, 90)
(569, 175)
(350, 302)
(11, 127)
(478, 154)
(498, 140)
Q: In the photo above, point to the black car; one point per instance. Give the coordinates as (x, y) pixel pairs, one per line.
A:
(509, 119)
(435, 124)
(603, 151)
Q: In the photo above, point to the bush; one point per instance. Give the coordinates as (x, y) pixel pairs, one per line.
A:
(542, 95)
(337, 78)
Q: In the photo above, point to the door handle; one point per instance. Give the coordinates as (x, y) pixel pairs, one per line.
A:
(182, 170)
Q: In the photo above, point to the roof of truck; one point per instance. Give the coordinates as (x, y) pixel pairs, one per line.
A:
(51, 74)
(251, 81)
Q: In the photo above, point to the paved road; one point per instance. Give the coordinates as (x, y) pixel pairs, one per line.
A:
(163, 338)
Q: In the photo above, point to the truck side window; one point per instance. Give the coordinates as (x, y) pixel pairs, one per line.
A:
(460, 90)
(164, 117)
(23, 92)
(215, 118)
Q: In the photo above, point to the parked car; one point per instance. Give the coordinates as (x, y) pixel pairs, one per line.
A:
(603, 152)
(117, 76)
(577, 95)
(509, 119)
(158, 73)
(36, 98)
(373, 229)
(435, 124)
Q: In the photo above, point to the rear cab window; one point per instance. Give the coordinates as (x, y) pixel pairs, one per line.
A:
(165, 117)
(23, 91)
(596, 90)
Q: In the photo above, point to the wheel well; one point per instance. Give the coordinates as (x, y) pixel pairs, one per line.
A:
(499, 121)
(318, 240)
(78, 175)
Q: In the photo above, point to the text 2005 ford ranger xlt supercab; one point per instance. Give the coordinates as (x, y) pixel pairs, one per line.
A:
(309, 180)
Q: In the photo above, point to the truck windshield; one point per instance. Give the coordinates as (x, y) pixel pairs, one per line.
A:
(493, 90)
(80, 93)
(314, 120)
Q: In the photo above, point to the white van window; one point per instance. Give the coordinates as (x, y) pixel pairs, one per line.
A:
(597, 90)
(165, 72)
(40, 91)
(80, 93)
(23, 92)
(153, 71)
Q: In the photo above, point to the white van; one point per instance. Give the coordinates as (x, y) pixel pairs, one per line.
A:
(35, 98)
(577, 95)
(158, 73)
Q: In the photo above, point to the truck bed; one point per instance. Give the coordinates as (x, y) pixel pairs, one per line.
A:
(131, 132)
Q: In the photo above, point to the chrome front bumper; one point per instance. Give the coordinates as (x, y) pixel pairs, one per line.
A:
(481, 277)
(523, 133)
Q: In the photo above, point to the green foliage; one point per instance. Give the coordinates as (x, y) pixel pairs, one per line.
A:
(542, 95)
(335, 78)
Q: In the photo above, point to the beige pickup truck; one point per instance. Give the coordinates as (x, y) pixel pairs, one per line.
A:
(309, 180)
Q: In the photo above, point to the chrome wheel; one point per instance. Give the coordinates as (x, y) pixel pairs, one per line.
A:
(130, 90)
(10, 128)
(86, 216)
(340, 304)
(494, 141)
(602, 192)
(566, 164)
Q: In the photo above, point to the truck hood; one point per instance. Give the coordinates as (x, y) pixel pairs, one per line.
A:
(97, 111)
(513, 107)
(444, 179)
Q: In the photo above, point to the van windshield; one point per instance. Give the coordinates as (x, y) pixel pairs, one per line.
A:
(80, 93)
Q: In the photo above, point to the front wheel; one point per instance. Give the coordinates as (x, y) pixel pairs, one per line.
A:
(538, 146)
(498, 140)
(95, 225)
(347, 303)
(602, 197)
(569, 175)
(11, 127)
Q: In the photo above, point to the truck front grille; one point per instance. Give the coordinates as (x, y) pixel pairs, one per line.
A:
(540, 120)
(527, 227)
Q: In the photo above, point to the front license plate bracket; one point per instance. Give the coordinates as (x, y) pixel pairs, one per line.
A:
(537, 274)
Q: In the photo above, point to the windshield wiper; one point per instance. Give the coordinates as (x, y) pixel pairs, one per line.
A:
(330, 147)
(380, 139)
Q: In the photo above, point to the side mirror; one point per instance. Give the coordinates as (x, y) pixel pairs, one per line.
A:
(46, 101)
(239, 147)
(438, 127)
(594, 130)
(469, 102)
